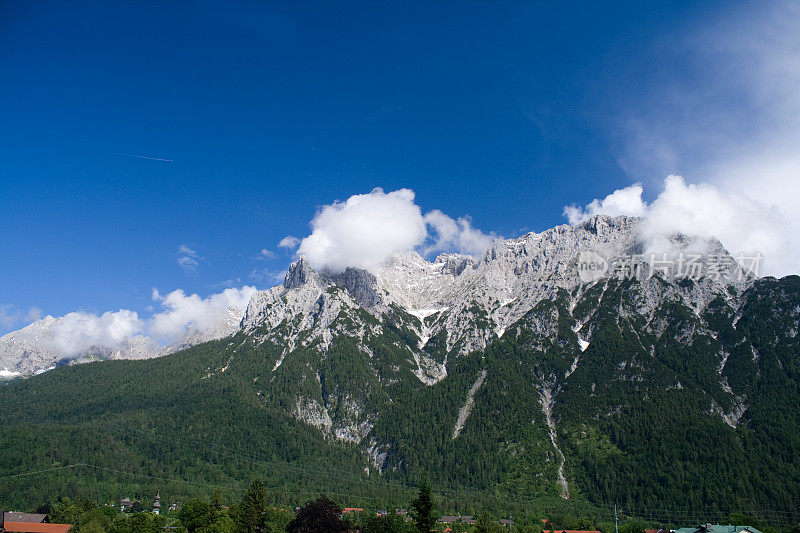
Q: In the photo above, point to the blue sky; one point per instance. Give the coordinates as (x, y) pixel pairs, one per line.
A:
(503, 112)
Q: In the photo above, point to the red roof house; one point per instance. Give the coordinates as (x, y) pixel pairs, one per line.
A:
(34, 527)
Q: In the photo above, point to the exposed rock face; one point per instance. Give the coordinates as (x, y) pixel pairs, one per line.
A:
(472, 301)
(456, 305)
(465, 410)
(361, 285)
(299, 274)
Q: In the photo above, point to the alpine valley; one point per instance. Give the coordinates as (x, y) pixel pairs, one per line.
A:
(503, 374)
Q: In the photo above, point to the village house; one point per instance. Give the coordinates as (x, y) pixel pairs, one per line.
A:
(36, 525)
(24, 517)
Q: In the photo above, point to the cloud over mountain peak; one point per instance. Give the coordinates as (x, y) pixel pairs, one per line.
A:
(365, 229)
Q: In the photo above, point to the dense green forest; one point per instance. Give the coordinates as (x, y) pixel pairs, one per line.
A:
(649, 417)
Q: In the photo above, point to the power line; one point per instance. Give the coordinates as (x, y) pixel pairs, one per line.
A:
(34, 472)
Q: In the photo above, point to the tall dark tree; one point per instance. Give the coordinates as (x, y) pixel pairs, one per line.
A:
(320, 516)
(422, 507)
(253, 507)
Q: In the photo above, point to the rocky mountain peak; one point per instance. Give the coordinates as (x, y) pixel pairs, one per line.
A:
(463, 301)
(454, 264)
(604, 225)
(300, 273)
(362, 286)
(474, 300)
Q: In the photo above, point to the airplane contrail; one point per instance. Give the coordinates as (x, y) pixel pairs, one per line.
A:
(144, 157)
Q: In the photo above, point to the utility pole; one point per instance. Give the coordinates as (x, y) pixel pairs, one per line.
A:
(616, 525)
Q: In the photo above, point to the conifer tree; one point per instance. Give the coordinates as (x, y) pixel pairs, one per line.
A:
(253, 507)
(422, 507)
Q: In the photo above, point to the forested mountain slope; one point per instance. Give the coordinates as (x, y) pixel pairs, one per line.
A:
(505, 374)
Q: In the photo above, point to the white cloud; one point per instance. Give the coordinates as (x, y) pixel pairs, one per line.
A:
(366, 228)
(79, 331)
(456, 234)
(728, 115)
(740, 223)
(8, 316)
(627, 201)
(188, 259)
(33, 314)
(11, 316)
(194, 314)
(290, 242)
(181, 315)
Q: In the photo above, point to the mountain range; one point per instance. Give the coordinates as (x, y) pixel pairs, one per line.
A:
(519, 373)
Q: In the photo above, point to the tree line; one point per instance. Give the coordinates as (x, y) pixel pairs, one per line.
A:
(253, 513)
